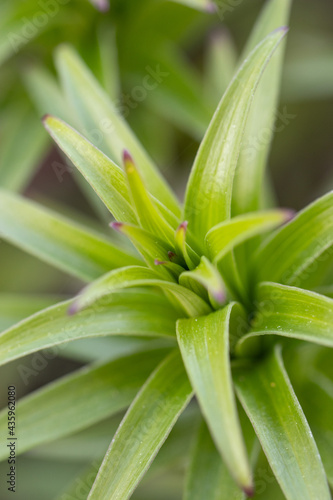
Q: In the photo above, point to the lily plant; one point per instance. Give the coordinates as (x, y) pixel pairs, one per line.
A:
(223, 289)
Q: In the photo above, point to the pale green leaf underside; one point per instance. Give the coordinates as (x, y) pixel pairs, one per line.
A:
(204, 344)
(228, 234)
(131, 312)
(144, 429)
(271, 404)
(107, 179)
(291, 312)
(96, 113)
(79, 400)
(57, 240)
(208, 195)
(286, 256)
(135, 276)
(247, 193)
(208, 477)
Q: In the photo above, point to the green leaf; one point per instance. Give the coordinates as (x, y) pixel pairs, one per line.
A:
(291, 312)
(143, 430)
(209, 191)
(103, 175)
(18, 164)
(260, 126)
(149, 216)
(208, 478)
(152, 248)
(15, 307)
(204, 344)
(96, 113)
(130, 312)
(288, 254)
(271, 404)
(135, 276)
(79, 400)
(56, 240)
(207, 275)
(228, 234)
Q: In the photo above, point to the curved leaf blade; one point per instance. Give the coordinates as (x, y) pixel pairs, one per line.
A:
(106, 178)
(225, 236)
(57, 240)
(135, 276)
(204, 344)
(291, 312)
(271, 404)
(248, 185)
(96, 112)
(130, 312)
(80, 399)
(209, 190)
(288, 253)
(143, 430)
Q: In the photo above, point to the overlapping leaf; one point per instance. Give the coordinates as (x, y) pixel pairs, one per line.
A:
(209, 190)
(131, 312)
(80, 399)
(144, 429)
(204, 344)
(57, 240)
(268, 398)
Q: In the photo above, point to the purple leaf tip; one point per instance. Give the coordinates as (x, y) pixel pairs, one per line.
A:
(183, 226)
(249, 491)
(219, 296)
(211, 8)
(171, 255)
(127, 158)
(159, 262)
(289, 214)
(73, 308)
(116, 226)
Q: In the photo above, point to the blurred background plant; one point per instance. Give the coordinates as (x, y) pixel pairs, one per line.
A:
(165, 65)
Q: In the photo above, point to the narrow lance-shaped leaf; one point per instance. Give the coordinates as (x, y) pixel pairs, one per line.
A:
(204, 344)
(291, 312)
(56, 240)
(151, 247)
(147, 213)
(288, 254)
(209, 277)
(221, 64)
(96, 112)
(18, 164)
(135, 276)
(209, 191)
(208, 477)
(143, 430)
(80, 399)
(247, 194)
(228, 234)
(271, 404)
(107, 179)
(130, 312)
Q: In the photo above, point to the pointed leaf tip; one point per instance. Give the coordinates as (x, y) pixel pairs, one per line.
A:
(73, 309)
(159, 262)
(116, 226)
(249, 491)
(127, 157)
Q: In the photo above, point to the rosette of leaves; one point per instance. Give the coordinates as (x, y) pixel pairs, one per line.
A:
(222, 298)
